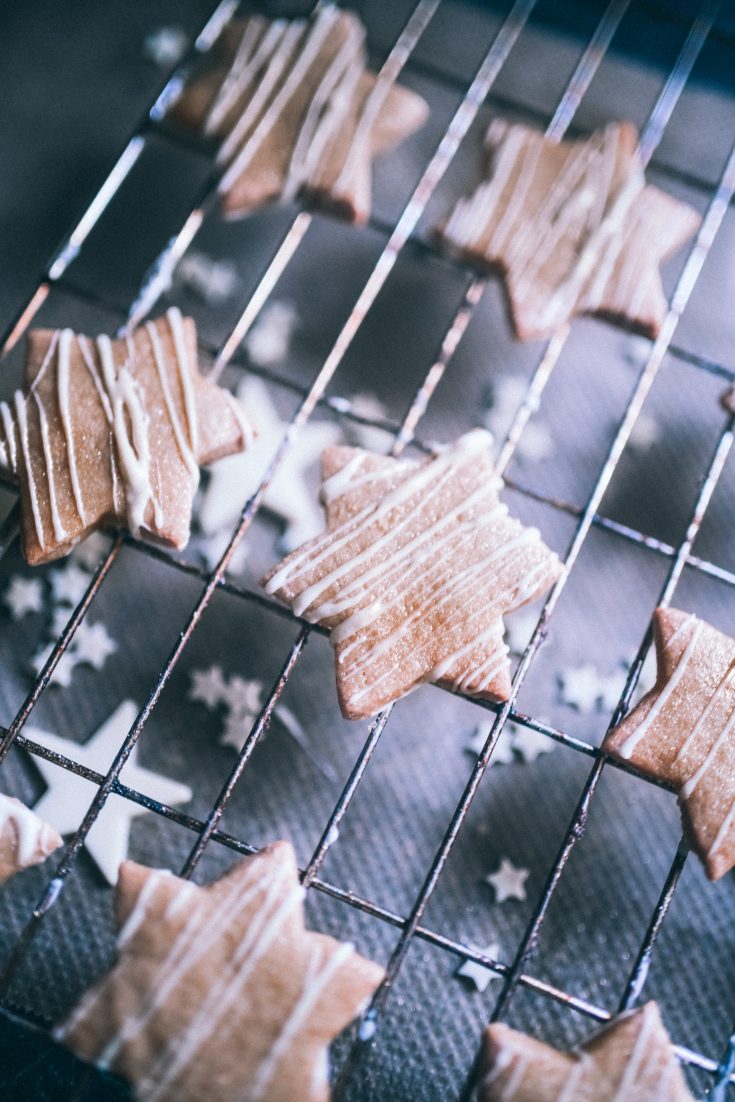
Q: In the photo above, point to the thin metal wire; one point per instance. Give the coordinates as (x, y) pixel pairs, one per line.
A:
(207, 830)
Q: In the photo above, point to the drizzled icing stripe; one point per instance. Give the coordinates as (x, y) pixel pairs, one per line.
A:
(227, 989)
(59, 531)
(175, 321)
(270, 67)
(11, 456)
(723, 832)
(62, 369)
(185, 449)
(319, 975)
(21, 419)
(636, 1060)
(627, 749)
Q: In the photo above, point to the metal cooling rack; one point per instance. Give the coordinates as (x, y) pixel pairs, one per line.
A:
(517, 971)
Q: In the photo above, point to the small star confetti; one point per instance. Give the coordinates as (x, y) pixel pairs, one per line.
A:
(213, 281)
(508, 881)
(91, 551)
(479, 974)
(269, 340)
(580, 687)
(23, 595)
(91, 645)
(531, 744)
(208, 686)
(506, 397)
(69, 584)
(520, 627)
(503, 752)
(165, 46)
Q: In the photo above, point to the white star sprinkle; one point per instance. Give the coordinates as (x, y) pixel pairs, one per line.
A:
(165, 46)
(479, 974)
(69, 584)
(208, 686)
(531, 744)
(503, 752)
(646, 432)
(214, 281)
(519, 627)
(291, 496)
(508, 881)
(211, 549)
(91, 645)
(268, 341)
(243, 697)
(580, 687)
(23, 595)
(68, 795)
(507, 395)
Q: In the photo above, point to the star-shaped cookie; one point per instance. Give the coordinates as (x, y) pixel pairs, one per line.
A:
(25, 839)
(572, 226)
(413, 576)
(630, 1060)
(296, 110)
(683, 731)
(220, 993)
(112, 432)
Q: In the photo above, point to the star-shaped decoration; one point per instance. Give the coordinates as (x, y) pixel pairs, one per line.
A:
(165, 46)
(506, 397)
(112, 433)
(220, 991)
(23, 595)
(413, 576)
(69, 584)
(503, 752)
(683, 731)
(269, 340)
(519, 629)
(581, 687)
(208, 686)
(508, 881)
(91, 551)
(291, 493)
(629, 1060)
(91, 645)
(531, 744)
(68, 794)
(572, 226)
(295, 110)
(25, 839)
(214, 281)
(479, 974)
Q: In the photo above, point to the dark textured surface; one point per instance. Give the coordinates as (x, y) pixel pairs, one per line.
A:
(76, 83)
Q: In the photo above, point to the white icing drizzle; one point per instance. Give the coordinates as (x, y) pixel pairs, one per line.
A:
(318, 977)
(723, 832)
(272, 64)
(186, 375)
(62, 368)
(59, 531)
(310, 47)
(22, 422)
(689, 786)
(579, 1069)
(184, 445)
(595, 214)
(627, 749)
(637, 1058)
(10, 459)
(226, 989)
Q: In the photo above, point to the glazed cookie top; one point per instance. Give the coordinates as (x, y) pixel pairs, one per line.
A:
(295, 109)
(418, 565)
(683, 731)
(630, 1060)
(573, 227)
(220, 993)
(111, 433)
(25, 839)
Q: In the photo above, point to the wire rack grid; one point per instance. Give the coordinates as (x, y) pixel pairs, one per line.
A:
(516, 971)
